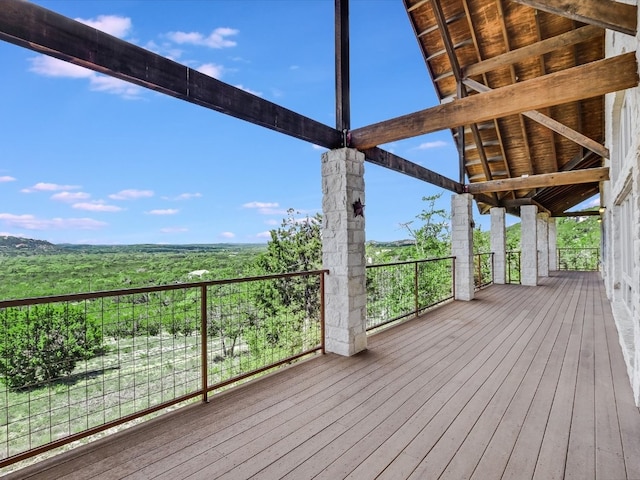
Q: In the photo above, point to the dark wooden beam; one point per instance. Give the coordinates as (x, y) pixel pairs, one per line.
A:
(36, 28)
(585, 81)
(609, 14)
(587, 175)
(398, 164)
(586, 213)
(343, 108)
(548, 45)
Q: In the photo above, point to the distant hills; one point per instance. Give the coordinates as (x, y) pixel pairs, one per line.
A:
(19, 246)
(25, 246)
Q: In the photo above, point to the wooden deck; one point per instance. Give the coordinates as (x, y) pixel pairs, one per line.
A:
(523, 382)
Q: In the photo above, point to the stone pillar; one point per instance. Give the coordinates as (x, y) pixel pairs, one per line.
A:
(543, 244)
(529, 245)
(343, 254)
(462, 244)
(553, 245)
(499, 245)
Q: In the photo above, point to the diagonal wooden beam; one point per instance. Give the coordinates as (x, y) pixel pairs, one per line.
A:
(552, 124)
(31, 26)
(588, 175)
(585, 81)
(572, 37)
(394, 162)
(609, 14)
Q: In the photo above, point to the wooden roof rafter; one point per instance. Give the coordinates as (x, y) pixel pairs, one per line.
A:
(585, 81)
(609, 14)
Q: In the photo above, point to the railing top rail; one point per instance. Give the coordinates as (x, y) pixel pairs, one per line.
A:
(157, 288)
(406, 262)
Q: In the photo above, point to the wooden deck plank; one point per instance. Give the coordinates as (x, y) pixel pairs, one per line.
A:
(628, 413)
(487, 449)
(434, 419)
(365, 434)
(581, 456)
(522, 460)
(489, 403)
(445, 387)
(515, 384)
(553, 451)
(609, 452)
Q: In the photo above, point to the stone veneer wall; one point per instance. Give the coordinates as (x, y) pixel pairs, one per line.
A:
(624, 186)
(343, 251)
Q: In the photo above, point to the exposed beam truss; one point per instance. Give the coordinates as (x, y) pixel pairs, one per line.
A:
(585, 81)
(587, 175)
(609, 14)
(552, 124)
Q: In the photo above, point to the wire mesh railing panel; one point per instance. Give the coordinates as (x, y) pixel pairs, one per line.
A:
(253, 325)
(435, 282)
(513, 266)
(74, 365)
(398, 290)
(579, 259)
(483, 270)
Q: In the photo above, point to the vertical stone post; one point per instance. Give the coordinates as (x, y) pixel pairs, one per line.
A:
(462, 244)
(543, 244)
(499, 245)
(529, 245)
(553, 245)
(343, 242)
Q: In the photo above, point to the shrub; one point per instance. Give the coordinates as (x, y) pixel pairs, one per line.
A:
(44, 342)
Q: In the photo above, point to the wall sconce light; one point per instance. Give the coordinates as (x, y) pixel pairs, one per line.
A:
(602, 210)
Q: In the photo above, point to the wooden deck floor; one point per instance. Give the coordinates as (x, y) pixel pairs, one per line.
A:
(523, 382)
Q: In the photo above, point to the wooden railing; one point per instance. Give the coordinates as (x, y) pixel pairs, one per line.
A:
(483, 270)
(75, 365)
(579, 259)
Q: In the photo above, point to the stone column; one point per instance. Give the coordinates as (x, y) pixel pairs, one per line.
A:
(462, 244)
(343, 254)
(499, 245)
(543, 244)
(529, 245)
(553, 245)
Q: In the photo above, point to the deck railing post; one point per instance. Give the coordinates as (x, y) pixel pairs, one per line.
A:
(203, 343)
(322, 310)
(415, 287)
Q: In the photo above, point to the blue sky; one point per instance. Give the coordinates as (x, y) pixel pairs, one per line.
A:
(86, 158)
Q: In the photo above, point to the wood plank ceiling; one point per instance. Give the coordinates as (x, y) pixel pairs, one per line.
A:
(472, 47)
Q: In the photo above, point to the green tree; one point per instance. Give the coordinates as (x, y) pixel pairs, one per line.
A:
(44, 342)
(431, 237)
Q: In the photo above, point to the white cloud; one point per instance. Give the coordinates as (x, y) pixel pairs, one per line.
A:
(115, 86)
(30, 222)
(96, 206)
(52, 67)
(227, 235)
(211, 69)
(70, 196)
(131, 194)
(174, 230)
(261, 205)
(7, 178)
(430, 145)
(216, 39)
(111, 24)
(266, 208)
(168, 211)
(266, 235)
(48, 187)
(248, 90)
(184, 196)
(595, 202)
